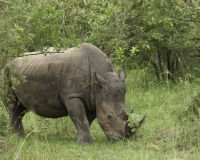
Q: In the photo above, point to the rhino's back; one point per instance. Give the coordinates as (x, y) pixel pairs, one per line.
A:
(74, 60)
(52, 78)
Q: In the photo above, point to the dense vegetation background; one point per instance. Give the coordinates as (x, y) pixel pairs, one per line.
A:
(161, 35)
(157, 41)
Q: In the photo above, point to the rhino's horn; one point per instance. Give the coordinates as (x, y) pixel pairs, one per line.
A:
(142, 120)
(140, 123)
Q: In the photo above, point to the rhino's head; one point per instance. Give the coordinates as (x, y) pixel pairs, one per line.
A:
(110, 106)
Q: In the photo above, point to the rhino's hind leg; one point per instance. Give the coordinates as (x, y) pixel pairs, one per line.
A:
(76, 110)
(15, 109)
(16, 113)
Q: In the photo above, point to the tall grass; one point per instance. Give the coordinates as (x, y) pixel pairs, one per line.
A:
(169, 132)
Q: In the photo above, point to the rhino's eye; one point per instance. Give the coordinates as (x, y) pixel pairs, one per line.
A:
(110, 116)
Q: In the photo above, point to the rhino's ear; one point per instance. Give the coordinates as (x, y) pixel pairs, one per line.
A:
(122, 75)
(100, 80)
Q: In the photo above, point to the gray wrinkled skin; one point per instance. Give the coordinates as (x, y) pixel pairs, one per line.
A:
(80, 83)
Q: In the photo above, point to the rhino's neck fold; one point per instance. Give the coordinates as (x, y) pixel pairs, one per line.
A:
(91, 87)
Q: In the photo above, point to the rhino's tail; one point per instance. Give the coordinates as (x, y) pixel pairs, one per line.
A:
(4, 85)
(7, 93)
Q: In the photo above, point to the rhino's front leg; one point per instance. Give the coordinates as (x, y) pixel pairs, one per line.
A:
(76, 111)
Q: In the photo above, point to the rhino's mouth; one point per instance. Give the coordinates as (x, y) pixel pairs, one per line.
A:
(114, 137)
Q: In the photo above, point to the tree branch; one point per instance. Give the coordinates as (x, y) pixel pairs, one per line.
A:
(193, 11)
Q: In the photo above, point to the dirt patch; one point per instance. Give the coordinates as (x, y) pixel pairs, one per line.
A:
(165, 134)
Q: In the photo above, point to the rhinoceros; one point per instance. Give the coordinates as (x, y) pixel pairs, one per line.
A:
(80, 83)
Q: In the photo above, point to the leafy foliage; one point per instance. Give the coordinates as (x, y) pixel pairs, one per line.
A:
(134, 120)
(164, 41)
(3, 125)
(165, 33)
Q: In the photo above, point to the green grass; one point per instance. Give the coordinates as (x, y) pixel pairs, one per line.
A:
(168, 132)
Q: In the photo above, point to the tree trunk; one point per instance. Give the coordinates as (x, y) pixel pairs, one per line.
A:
(156, 69)
(161, 71)
(175, 66)
(168, 61)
